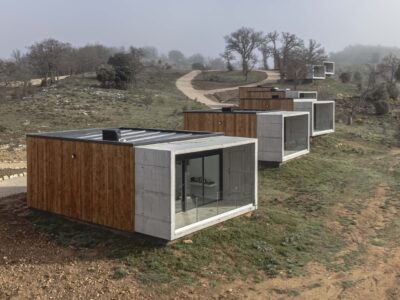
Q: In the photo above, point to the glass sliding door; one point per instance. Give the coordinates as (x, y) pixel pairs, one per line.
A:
(198, 187)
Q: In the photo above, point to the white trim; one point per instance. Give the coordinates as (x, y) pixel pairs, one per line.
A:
(294, 155)
(322, 132)
(212, 221)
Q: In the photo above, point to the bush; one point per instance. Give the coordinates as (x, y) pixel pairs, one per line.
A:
(393, 91)
(345, 77)
(198, 66)
(214, 78)
(377, 94)
(357, 77)
(382, 107)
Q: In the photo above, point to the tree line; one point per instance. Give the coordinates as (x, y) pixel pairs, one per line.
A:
(115, 67)
(290, 54)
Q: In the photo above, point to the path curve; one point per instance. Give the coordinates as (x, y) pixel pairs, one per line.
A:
(12, 186)
(184, 84)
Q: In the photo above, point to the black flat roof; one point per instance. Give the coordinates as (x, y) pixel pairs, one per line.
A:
(129, 136)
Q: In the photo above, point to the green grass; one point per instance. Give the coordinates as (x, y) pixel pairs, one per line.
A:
(221, 79)
(79, 102)
(283, 235)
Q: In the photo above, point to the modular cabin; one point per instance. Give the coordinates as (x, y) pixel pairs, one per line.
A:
(322, 115)
(160, 183)
(267, 98)
(282, 135)
(315, 72)
(329, 67)
(302, 94)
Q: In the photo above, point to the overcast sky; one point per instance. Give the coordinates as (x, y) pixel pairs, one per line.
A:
(195, 26)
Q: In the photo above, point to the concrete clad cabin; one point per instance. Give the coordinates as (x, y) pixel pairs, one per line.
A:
(302, 94)
(267, 98)
(315, 72)
(160, 183)
(281, 135)
(329, 67)
(322, 115)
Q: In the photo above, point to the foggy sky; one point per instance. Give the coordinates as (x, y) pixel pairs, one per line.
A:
(195, 26)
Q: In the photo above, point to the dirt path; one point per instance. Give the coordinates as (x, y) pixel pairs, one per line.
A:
(184, 84)
(12, 186)
(33, 82)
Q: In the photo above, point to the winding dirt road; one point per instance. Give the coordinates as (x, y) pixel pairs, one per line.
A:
(184, 84)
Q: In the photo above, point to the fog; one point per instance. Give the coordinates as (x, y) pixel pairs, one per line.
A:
(195, 26)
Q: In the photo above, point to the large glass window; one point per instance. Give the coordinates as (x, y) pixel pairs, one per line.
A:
(295, 134)
(211, 183)
(198, 187)
(323, 116)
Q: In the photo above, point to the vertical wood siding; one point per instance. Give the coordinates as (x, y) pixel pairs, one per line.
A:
(232, 124)
(96, 185)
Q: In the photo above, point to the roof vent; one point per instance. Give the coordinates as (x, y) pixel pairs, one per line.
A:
(111, 135)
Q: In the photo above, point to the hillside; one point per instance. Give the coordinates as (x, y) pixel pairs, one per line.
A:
(326, 222)
(79, 102)
(356, 56)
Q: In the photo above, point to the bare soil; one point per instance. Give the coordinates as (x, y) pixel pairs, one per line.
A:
(33, 267)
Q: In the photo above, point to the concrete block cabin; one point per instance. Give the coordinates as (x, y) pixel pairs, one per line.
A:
(282, 135)
(302, 94)
(160, 183)
(322, 115)
(329, 68)
(315, 72)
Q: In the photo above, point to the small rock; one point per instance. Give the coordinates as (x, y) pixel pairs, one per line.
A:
(6, 177)
(187, 241)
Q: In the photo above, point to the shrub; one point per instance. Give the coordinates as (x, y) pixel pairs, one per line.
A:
(198, 66)
(357, 77)
(382, 107)
(393, 91)
(345, 77)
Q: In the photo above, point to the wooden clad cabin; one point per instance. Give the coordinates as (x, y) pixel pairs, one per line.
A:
(282, 135)
(267, 104)
(260, 92)
(265, 98)
(139, 180)
(229, 122)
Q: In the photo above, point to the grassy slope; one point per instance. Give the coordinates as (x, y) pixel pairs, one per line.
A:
(295, 201)
(222, 79)
(79, 102)
(284, 234)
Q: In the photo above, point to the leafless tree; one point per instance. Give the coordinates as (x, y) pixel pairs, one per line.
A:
(266, 52)
(46, 56)
(245, 41)
(273, 38)
(289, 42)
(314, 53)
(227, 56)
(388, 67)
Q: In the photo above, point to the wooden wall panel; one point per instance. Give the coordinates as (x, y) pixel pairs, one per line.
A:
(260, 93)
(92, 182)
(267, 104)
(231, 124)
